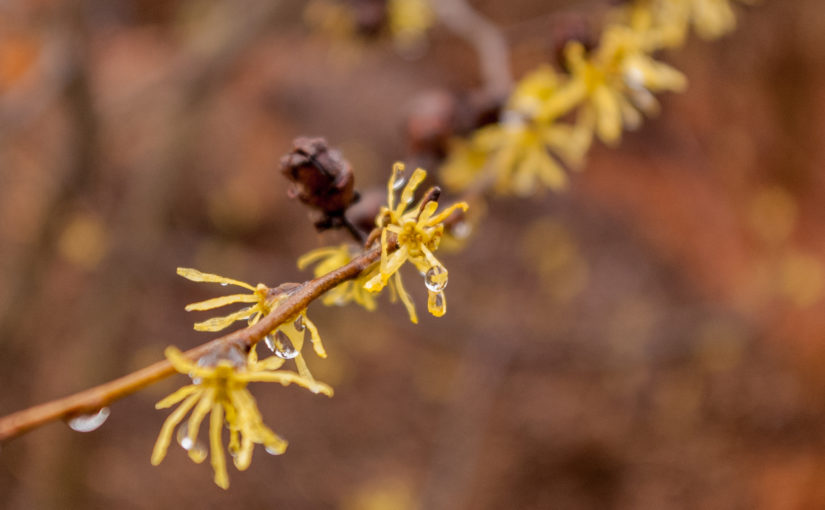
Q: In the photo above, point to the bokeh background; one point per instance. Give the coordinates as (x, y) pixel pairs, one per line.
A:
(653, 338)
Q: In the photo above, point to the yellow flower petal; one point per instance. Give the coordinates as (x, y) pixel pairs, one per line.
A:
(219, 323)
(194, 424)
(176, 397)
(315, 337)
(198, 276)
(405, 298)
(218, 302)
(165, 435)
(216, 448)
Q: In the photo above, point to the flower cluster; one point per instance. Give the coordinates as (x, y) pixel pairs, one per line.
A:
(409, 21)
(219, 389)
(604, 90)
(286, 341)
(710, 18)
(331, 258)
(407, 232)
(406, 21)
(412, 234)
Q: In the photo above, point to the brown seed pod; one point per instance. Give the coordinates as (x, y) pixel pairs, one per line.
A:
(321, 178)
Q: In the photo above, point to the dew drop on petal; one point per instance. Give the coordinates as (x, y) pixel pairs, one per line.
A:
(281, 345)
(399, 178)
(183, 438)
(273, 451)
(89, 422)
(461, 230)
(270, 342)
(436, 279)
(198, 452)
(634, 77)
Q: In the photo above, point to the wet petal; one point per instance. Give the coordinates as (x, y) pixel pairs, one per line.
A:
(165, 435)
(198, 276)
(221, 301)
(405, 298)
(216, 447)
(177, 396)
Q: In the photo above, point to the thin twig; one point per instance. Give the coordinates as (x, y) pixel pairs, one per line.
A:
(487, 39)
(357, 234)
(93, 399)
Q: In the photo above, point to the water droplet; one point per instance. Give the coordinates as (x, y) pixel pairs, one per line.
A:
(511, 119)
(634, 78)
(399, 183)
(273, 451)
(299, 323)
(89, 422)
(436, 278)
(281, 345)
(224, 284)
(461, 230)
(644, 100)
(183, 438)
(399, 178)
(198, 452)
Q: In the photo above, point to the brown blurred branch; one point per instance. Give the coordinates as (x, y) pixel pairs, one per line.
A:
(489, 42)
(93, 399)
(71, 72)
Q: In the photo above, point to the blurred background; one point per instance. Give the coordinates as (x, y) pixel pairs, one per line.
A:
(653, 338)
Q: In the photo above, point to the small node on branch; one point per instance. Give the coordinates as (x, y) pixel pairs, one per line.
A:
(436, 116)
(370, 16)
(363, 214)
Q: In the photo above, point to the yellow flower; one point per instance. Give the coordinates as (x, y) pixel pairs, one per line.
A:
(219, 387)
(613, 83)
(710, 18)
(520, 152)
(417, 232)
(286, 340)
(331, 258)
(409, 21)
(516, 154)
(534, 90)
(332, 18)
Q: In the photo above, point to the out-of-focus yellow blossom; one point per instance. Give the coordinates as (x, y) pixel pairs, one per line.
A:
(332, 18)
(535, 89)
(286, 340)
(416, 232)
(409, 21)
(219, 388)
(710, 18)
(613, 83)
(406, 21)
(516, 155)
(331, 258)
